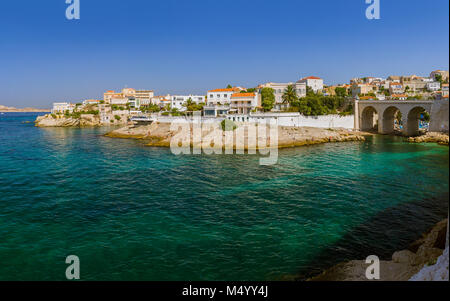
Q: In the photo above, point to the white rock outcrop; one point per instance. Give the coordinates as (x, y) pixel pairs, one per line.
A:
(437, 272)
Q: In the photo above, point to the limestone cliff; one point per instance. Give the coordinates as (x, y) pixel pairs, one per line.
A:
(50, 120)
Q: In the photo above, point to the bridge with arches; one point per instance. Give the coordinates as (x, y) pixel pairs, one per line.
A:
(381, 115)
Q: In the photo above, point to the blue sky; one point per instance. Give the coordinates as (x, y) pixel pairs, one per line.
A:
(179, 46)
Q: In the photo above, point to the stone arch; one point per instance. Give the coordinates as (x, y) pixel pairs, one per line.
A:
(389, 120)
(413, 118)
(369, 119)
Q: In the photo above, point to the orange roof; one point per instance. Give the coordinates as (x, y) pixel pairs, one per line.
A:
(110, 91)
(225, 90)
(311, 77)
(399, 95)
(236, 95)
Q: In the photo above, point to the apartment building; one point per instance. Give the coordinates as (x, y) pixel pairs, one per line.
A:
(91, 102)
(396, 88)
(144, 96)
(444, 90)
(120, 101)
(278, 90)
(415, 83)
(178, 101)
(108, 95)
(314, 82)
(221, 96)
(244, 103)
(62, 107)
(161, 100)
(433, 86)
(358, 89)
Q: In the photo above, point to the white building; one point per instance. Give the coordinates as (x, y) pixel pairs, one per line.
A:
(315, 83)
(161, 100)
(244, 103)
(278, 90)
(433, 86)
(62, 107)
(444, 90)
(396, 88)
(215, 110)
(177, 101)
(221, 96)
(91, 102)
(121, 101)
(144, 96)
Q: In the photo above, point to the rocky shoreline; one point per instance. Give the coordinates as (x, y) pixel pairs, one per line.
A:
(424, 259)
(85, 120)
(160, 134)
(431, 137)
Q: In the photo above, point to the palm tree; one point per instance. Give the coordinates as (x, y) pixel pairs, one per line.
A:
(289, 95)
(188, 103)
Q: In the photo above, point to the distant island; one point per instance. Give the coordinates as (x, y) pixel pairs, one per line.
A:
(12, 109)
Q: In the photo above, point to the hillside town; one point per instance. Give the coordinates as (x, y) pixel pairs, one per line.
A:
(308, 96)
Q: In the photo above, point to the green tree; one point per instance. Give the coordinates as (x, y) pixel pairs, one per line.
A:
(290, 95)
(341, 91)
(228, 125)
(167, 107)
(267, 98)
(191, 106)
(438, 78)
(229, 86)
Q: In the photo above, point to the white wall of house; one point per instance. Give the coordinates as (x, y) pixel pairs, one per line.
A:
(298, 120)
(221, 96)
(316, 84)
(244, 103)
(433, 86)
(177, 101)
(279, 88)
(119, 101)
(62, 107)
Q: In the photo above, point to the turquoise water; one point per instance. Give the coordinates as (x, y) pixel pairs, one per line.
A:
(132, 212)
